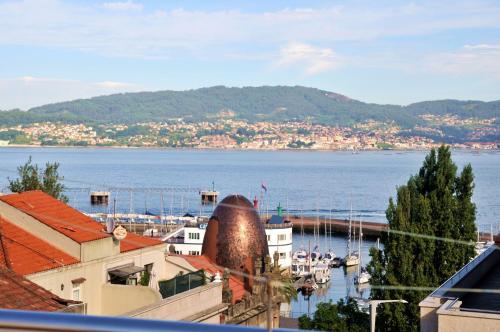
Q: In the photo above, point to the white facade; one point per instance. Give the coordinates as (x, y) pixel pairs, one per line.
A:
(189, 240)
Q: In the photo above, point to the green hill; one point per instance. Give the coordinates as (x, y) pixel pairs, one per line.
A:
(267, 103)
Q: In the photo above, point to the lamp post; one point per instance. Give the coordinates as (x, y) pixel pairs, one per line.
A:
(373, 310)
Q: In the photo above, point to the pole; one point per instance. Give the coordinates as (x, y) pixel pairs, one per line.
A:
(269, 304)
(373, 315)
(373, 310)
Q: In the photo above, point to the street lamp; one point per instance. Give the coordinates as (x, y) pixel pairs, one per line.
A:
(373, 310)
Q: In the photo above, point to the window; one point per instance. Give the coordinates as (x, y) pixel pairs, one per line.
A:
(268, 238)
(75, 293)
(282, 255)
(194, 236)
(194, 253)
(281, 237)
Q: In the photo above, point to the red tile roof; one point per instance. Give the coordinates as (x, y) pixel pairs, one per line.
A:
(134, 242)
(57, 215)
(203, 263)
(19, 293)
(26, 254)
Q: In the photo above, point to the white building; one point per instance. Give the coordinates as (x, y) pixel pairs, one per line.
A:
(188, 240)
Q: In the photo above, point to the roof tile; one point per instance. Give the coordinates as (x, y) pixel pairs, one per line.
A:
(57, 215)
(27, 254)
(203, 263)
(22, 294)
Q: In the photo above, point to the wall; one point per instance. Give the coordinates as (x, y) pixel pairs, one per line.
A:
(200, 304)
(176, 264)
(119, 299)
(96, 274)
(453, 321)
(96, 249)
(428, 314)
(284, 246)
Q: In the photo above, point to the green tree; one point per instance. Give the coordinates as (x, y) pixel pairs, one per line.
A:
(31, 177)
(431, 236)
(340, 317)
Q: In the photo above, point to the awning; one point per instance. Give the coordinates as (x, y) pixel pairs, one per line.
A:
(125, 271)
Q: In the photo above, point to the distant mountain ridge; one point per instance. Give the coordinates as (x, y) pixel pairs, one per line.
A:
(265, 103)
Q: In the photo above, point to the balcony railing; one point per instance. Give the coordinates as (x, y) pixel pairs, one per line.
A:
(44, 321)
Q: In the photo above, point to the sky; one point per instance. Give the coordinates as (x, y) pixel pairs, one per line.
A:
(394, 52)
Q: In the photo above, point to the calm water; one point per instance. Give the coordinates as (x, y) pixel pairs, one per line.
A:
(308, 181)
(341, 283)
(302, 181)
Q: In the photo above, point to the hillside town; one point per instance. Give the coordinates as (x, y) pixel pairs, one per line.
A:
(230, 133)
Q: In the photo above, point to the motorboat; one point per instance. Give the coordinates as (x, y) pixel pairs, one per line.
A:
(316, 257)
(337, 262)
(328, 257)
(300, 269)
(300, 256)
(322, 273)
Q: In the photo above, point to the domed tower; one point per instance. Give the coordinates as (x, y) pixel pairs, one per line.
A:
(235, 237)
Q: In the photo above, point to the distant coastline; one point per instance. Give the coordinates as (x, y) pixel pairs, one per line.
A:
(119, 147)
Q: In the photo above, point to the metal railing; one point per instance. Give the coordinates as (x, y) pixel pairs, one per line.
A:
(44, 321)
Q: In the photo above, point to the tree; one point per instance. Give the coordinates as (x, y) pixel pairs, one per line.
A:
(431, 236)
(31, 177)
(340, 317)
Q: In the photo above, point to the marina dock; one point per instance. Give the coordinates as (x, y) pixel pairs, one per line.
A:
(339, 226)
(370, 228)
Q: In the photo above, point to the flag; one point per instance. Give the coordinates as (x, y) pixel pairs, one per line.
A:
(264, 187)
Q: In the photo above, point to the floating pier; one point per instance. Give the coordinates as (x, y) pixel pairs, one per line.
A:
(99, 197)
(209, 196)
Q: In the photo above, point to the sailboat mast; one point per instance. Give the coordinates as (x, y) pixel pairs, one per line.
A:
(359, 244)
(349, 233)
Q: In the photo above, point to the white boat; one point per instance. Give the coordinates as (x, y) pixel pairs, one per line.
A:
(322, 273)
(316, 257)
(300, 256)
(300, 269)
(352, 257)
(328, 257)
(363, 276)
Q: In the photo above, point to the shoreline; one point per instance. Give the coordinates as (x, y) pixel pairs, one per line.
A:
(119, 147)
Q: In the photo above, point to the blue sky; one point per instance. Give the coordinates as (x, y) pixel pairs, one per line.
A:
(377, 51)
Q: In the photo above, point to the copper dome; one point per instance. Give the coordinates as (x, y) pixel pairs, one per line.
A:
(235, 237)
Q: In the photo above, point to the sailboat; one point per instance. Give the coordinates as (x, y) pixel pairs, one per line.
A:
(352, 258)
(363, 276)
(329, 256)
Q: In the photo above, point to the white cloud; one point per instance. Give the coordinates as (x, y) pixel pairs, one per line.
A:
(483, 47)
(122, 5)
(28, 91)
(168, 33)
(471, 59)
(114, 85)
(313, 60)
